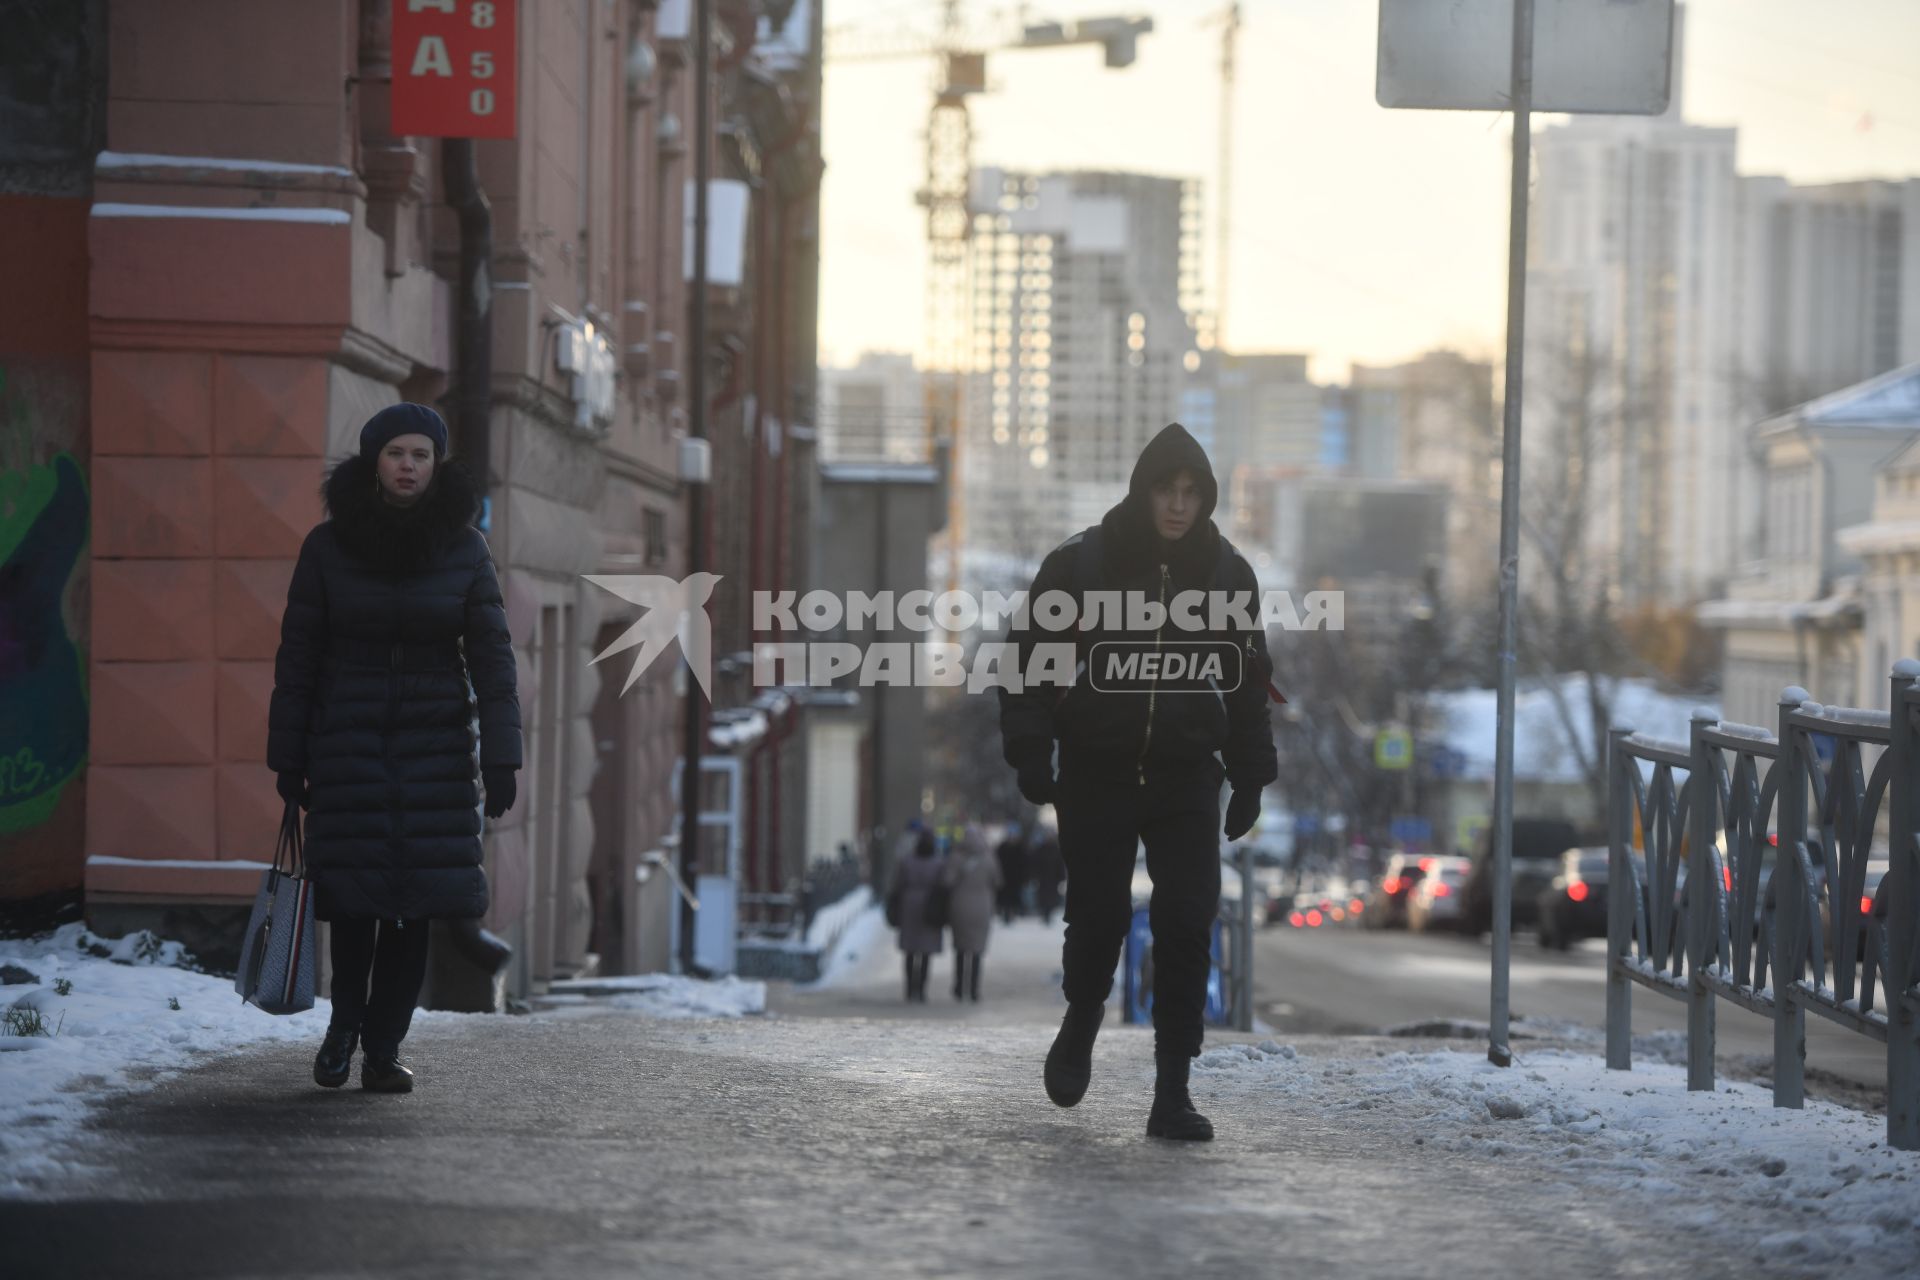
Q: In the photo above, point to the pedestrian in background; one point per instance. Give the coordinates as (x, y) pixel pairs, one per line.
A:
(1012, 856)
(1048, 870)
(972, 876)
(394, 630)
(914, 880)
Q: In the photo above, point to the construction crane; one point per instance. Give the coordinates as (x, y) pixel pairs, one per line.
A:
(961, 72)
(1228, 20)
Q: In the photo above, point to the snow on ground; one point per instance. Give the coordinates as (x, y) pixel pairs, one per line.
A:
(129, 1015)
(663, 995)
(1823, 1179)
(119, 1014)
(859, 937)
(833, 919)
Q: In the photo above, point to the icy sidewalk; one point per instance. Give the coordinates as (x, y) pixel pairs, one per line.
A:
(874, 1138)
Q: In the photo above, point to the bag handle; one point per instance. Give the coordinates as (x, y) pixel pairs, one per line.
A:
(289, 856)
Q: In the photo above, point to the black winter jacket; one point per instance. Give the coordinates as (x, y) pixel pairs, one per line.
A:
(1165, 731)
(394, 623)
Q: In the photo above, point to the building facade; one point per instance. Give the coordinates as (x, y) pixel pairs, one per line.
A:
(266, 263)
(1080, 347)
(1796, 616)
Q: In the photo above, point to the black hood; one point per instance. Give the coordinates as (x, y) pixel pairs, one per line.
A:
(1128, 525)
(383, 536)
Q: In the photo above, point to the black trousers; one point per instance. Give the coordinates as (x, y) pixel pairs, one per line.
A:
(966, 973)
(377, 974)
(919, 966)
(1102, 818)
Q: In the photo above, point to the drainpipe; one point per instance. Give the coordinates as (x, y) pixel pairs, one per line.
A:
(473, 410)
(473, 326)
(697, 499)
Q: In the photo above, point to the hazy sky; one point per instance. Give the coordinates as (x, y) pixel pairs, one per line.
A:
(1359, 233)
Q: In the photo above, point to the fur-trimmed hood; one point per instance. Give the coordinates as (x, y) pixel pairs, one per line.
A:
(381, 535)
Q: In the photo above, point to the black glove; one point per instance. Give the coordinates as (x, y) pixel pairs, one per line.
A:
(1036, 780)
(292, 785)
(501, 788)
(1242, 810)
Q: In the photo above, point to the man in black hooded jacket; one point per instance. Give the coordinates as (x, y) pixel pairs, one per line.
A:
(1141, 759)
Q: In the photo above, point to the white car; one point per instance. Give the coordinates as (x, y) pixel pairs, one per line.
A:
(1436, 901)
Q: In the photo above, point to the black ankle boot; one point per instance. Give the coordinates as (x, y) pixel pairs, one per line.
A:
(334, 1063)
(1173, 1115)
(383, 1072)
(1070, 1061)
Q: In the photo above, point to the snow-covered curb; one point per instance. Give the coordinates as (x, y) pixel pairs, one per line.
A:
(858, 938)
(662, 995)
(1822, 1177)
(117, 1027)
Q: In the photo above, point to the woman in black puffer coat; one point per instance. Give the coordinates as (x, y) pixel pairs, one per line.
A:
(394, 629)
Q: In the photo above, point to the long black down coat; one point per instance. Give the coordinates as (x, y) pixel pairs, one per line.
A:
(394, 628)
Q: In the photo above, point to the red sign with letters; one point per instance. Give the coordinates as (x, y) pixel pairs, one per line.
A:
(453, 68)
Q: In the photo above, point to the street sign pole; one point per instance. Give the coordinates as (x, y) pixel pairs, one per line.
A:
(1498, 1050)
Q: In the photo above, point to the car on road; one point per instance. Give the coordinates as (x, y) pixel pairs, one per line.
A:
(1537, 846)
(1876, 871)
(1384, 905)
(1574, 905)
(1436, 900)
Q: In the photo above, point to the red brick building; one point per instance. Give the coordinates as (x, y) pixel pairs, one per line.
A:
(245, 262)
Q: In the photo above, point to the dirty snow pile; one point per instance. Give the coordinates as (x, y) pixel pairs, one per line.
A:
(1819, 1186)
(80, 1015)
(663, 995)
(856, 936)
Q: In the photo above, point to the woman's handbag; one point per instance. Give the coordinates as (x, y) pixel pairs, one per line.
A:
(894, 901)
(939, 907)
(276, 952)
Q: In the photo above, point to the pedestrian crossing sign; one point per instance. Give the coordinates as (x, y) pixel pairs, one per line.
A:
(1393, 749)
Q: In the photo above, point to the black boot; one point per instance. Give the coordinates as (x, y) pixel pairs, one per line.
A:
(1070, 1061)
(1173, 1115)
(334, 1063)
(382, 1072)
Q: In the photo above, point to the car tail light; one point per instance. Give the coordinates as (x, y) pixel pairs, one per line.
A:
(1442, 891)
(1390, 885)
(1426, 864)
(1356, 907)
(1577, 891)
(1866, 906)
(1726, 874)
(1313, 919)
(1295, 919)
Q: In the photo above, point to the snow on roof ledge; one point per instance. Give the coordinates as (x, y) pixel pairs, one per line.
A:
(110, 160)
(1890, 400)
(1543, 750)
(335, 217)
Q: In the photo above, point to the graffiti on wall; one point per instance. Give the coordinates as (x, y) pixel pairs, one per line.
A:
(43, 696)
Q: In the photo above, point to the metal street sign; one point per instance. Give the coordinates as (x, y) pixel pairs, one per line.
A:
(1392, 749)
(1611, 56)
(1606, 56)
(453, 68)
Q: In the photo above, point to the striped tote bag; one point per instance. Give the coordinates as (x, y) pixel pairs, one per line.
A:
(276, 954)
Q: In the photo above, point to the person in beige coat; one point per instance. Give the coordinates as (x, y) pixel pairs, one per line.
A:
(973, 877)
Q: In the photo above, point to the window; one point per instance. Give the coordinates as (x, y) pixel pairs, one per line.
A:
(653, 529)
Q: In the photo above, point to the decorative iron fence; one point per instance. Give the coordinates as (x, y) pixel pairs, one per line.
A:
(1741, 870)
